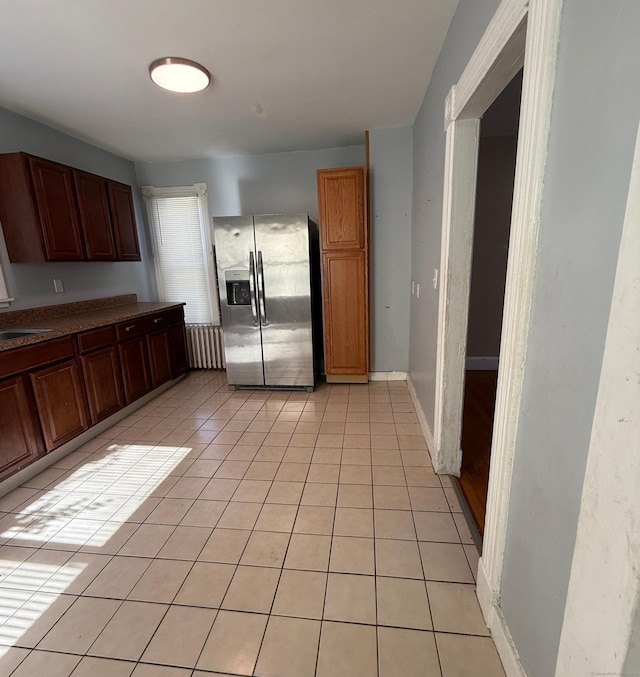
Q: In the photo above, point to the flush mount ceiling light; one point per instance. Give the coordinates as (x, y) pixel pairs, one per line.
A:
(179, 75)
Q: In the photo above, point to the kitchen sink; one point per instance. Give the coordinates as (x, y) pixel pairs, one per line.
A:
(7, 334)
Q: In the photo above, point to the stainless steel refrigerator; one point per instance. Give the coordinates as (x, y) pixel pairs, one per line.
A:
(265, 299)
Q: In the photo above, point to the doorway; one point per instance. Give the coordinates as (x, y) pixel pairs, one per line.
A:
(522, 33)
(492, 222)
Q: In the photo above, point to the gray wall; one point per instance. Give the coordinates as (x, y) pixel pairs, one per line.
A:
(254, 184)
(31, 283)
(593, 128)
(390, 157)
(494, 195)
(465, 31)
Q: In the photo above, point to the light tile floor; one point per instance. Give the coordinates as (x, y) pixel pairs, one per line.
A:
(247, 533)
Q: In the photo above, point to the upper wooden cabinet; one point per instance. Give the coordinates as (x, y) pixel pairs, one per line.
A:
(124, 221)
(341, 208)
(56, 206)
(93, 204)
(51, 212)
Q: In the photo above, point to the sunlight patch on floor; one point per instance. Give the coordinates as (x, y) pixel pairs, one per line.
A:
(89, 505)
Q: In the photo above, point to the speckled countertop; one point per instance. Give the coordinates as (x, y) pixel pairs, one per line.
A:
(70, 318)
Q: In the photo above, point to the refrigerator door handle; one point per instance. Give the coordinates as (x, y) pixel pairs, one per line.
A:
(252, 289)
(263, 309)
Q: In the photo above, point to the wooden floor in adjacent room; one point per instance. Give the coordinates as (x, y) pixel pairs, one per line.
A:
(477, 428)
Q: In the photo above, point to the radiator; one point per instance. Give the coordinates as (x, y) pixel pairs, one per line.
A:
(205, 346)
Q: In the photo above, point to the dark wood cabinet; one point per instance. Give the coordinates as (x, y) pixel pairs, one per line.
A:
(103, 381)
(342, 210)
(56, 203)
(19, 439)
(159, 357)
(178, 348)
(134, 358)
(124, 221)
(52, 212)
(60, 401)
(93, 206)
(55, 389)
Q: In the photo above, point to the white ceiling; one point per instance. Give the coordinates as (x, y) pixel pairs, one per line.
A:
(321, 71)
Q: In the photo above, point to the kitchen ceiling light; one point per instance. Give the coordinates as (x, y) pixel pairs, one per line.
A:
(179, 75)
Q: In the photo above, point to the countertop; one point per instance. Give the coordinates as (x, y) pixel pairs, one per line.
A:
(71, 318)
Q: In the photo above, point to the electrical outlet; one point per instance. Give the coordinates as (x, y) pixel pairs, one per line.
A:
(57, 285)
(413, 287)
(417, 290)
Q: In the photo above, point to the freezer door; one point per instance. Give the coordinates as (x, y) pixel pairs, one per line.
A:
(236, 259)
(284, 298)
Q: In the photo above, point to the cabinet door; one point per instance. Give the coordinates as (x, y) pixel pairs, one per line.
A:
(93, 205)
(18, 441)
(134, 358)
(178, 348)
(56, 204)
(124, 221)
(345, 318)
(103, 381)
(60, 401)
(341, 208)
(159, 357)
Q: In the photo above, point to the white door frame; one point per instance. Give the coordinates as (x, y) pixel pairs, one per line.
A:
(521, 33)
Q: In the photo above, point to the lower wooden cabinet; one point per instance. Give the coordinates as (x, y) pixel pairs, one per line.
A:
(54, 390)
(18, 441)
(159, 357)
(61, 403)
(178, 349)
(103, 381)
(345, 313)
(135, 369)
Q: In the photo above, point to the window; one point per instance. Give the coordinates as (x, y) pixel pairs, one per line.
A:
(4, 296)
(183, 254)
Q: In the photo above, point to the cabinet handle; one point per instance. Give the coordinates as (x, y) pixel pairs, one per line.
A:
(130, 327)
(158, 319)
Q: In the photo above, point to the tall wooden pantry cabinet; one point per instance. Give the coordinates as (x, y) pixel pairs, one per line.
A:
(344, 242)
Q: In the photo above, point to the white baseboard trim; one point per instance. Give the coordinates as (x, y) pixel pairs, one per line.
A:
(422, 419)
(52, 457)
(481, 363)
(497, 625)
(387, 375)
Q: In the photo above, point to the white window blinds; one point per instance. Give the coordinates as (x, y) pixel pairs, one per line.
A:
(182, 250)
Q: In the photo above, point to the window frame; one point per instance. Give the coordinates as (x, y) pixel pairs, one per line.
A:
(199, 190)
(5, 299)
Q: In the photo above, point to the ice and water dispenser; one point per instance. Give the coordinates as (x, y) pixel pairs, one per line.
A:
(238, 289)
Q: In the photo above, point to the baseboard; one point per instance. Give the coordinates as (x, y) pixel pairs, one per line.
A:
(422, 419)
(347, 378)
(54, 456)
(481, 363)
(497, 625)
(388, 376)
